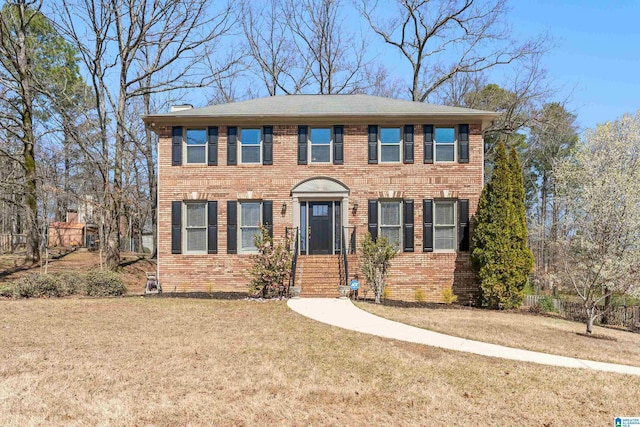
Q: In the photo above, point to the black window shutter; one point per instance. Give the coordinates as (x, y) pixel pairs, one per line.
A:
(212, 227)
(302, 145)
(232, 227)
(176, 146)
(232, 145)
(176, 227)
(267, 216)
(427, 225)
(428, 143)
(463, 225)
(373, 219)
(213, 145)
(338, 145)
(267, 145)
(408, 226)
(463, 143)
(408, 144)
(373, 144)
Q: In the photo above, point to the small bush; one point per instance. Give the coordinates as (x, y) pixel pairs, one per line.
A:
(419, 295)
(36, 286)
(104, 284)
(72, 283)
(386, 293)
(6, 291)
(546, 304)
(448, 296)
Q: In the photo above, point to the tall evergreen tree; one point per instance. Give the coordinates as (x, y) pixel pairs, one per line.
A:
(499, 240)
(523, 257)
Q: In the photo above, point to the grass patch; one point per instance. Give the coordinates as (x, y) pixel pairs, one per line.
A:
(166, 361)
(521, 330)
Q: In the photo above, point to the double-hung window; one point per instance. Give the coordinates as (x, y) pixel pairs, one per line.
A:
(445, 144)
(320, 145)
(445, 225)
(390, 141)
(391, 221)
(196, 146)
(250, 146)
(250, 220)
(195, 227)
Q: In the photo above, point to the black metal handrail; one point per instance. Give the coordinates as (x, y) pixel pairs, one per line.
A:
(349, 249)
(294, 257)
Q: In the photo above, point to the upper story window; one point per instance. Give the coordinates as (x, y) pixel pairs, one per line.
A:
(195, 227)
(196, 146)
(250, 220)
(250, 146)
(320, 139)
(445, 144)
(445, 225)
(391, 221)
(390, 140)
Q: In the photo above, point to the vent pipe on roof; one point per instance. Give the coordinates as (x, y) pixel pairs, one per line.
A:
(175, 108)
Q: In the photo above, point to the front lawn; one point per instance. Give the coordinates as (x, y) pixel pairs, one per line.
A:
(167, 362)
(520, 329)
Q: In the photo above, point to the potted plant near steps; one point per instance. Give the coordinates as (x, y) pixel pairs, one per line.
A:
(344, 291)
(294, 291)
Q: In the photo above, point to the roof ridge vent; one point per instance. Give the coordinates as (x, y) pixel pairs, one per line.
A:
(182, 107)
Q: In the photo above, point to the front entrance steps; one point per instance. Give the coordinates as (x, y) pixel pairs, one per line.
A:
(319, 275)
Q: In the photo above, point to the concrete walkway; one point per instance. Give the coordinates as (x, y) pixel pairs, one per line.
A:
(343, 314)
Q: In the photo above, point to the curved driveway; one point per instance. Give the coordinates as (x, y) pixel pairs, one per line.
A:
(343, 314)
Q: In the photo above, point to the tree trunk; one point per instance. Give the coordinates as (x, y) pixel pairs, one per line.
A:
(591, 316)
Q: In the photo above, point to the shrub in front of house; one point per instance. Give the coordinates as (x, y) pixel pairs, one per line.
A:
(104, 284)
(94, 283)
(271, 266)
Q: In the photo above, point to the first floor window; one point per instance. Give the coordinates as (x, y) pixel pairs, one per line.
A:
(445, 142)
(250, 145)
(320, 145)
(196, 227)
(390, 144)
(250, 220)
(445, 225)
(196, 146)
(390, 221)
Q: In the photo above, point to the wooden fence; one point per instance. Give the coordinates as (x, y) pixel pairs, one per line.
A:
(5, 243)
(626, 316)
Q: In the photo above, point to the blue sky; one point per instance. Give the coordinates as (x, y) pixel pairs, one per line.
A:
(596, 58)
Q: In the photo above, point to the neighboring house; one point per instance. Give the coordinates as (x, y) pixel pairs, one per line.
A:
(72, 232)
(328, 165)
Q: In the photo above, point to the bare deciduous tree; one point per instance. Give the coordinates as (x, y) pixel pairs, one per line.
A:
(138, 48)
(441, 39)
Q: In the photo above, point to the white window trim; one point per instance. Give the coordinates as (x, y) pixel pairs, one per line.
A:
(260, 149)
(240, 226)
(455, 144)
(310, 145)
(184, 147)
(401, 218)
(185, 227)
(455, 225)
(400, 145)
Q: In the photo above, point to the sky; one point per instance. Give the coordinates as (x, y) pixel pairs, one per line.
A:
(595, 61)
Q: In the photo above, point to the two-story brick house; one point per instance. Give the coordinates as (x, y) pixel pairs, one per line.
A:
(328, 165)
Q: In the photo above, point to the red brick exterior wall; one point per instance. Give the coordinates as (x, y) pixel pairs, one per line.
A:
(431, 272)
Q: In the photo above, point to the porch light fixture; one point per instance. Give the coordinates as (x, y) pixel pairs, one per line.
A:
(355, 207)
(284, 208)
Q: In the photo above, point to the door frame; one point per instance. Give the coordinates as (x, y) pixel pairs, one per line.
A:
(319, 189)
